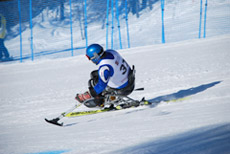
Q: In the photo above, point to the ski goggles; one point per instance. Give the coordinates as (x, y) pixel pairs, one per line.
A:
(94, 59)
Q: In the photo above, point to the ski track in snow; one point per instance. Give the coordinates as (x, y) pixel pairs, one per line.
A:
(195, 71)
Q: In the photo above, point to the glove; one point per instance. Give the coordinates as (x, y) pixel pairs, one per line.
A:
(82, 97)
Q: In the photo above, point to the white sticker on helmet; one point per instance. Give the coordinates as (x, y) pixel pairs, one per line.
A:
(102, 73)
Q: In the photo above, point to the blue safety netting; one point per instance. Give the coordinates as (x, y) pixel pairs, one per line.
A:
(61, 28)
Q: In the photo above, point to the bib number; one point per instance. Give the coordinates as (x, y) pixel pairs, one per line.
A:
(124, 67)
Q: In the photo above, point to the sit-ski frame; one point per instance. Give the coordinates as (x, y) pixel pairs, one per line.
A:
(119, 99)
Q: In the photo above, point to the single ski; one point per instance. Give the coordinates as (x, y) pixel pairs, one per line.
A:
(70, 112)
(119, 107)
(143, 102)
(82, 113)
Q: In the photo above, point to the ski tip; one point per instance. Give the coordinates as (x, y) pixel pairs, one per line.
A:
(54, 121)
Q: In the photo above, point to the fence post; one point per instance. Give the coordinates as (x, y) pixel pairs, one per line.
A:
(20, 28)
(86, 36)
(31, 32)
(71, 27)
(127, 26)
(205, 15)
(107, 23)
(112, 24)
(118, 23)
(162, 13)
(200, 18)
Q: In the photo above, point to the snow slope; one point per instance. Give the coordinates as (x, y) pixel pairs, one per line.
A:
(196, 72)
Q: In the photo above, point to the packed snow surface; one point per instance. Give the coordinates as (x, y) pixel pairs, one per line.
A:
(196, 73)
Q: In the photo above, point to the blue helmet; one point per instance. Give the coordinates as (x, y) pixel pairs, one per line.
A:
(94, 52)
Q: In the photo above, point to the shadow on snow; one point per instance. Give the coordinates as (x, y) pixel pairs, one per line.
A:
(183, 93)
(211, 140)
